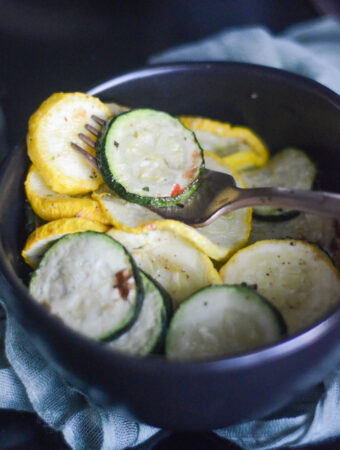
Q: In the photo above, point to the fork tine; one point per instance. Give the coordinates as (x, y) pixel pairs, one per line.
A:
(92, 129)
(87, 140)
(98, 120)
(89, 158)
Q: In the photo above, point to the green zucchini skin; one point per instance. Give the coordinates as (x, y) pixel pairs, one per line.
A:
(279, 215)
(276, 313)
(115, 185)
(148, 333)
(139, 302)
(166, 315)
(167, 299)
(130, 318)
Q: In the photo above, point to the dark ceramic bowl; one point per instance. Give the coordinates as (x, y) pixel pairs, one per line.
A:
(286, 110)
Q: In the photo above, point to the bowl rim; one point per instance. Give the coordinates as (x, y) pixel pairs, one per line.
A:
(272, 72)
(52, 324)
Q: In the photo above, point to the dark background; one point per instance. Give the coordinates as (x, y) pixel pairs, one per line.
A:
(49, 46)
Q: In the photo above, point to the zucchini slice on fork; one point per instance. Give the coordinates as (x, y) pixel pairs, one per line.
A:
(149, 157)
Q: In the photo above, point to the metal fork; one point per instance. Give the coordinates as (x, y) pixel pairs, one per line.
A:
(87, 140)
(218, 194)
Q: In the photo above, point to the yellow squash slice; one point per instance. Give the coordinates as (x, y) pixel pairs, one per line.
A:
(43, 237)
(52, 128)
(238, 146)
(171, 260)
(297, 277)
(51, 206)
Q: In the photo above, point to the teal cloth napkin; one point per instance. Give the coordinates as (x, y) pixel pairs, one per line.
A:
(311, 49)
(28, 383)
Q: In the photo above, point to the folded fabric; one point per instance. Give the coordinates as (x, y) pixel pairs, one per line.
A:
(311, 49)
(29, 383)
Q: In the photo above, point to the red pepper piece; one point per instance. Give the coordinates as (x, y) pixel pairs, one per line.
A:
(176, 190)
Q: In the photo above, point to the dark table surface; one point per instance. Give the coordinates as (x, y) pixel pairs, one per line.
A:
(49, 46)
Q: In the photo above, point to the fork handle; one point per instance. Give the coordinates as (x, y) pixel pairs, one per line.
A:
(317, 202)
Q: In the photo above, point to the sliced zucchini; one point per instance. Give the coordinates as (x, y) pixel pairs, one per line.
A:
(91, 282)
(170, 259)
(147, 334)
(218, 321)
(290, 168)
(298, 278)
(149, 157)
